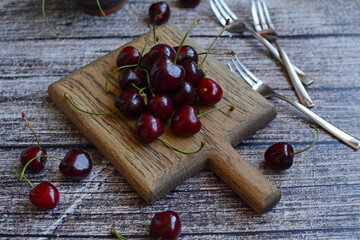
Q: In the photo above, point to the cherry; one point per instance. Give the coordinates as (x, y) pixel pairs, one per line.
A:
(185, 95)
(145, 62)
(148, 128)
(130, 103)
(128, 77)
(185, 121)
(161, 107)
(161, 50)
(187, 53)
(189, 3)
(209, 91)
(36, 165)
(193, 74)
(127, 56)
(76, 164)
(166, 76)
(159, 8)
(280, 155)
(45, 196)
(166, 226)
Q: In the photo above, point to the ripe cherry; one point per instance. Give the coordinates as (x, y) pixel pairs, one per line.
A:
(187, 53)
(145, 62)
(36, 165)
(128, 56)
(130, 103)
(193, 74)
(76, 164)
(161, 50)
(45, 196)
(159, 8)
(209, 91)
(148, 128)
(161, 107)
(128, 77)
(189, 3)
(184, 95)
(166, 226)
(280, 155)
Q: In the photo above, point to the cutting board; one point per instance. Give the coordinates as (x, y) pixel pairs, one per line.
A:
(155, 169)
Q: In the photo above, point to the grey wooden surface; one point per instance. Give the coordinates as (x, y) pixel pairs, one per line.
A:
(321, 192)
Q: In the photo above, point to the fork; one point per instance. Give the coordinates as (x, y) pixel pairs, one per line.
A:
(259, 86)
(264, 26)
(223, 12)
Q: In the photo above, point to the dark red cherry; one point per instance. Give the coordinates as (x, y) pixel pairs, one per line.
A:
(279, 156)
(166, 226)
(166, 76)
(157, 8)
(161, 50)
(184, 95)
(193, 75)
(128, 56)
(148, 128)
(130, 103)
(161, 107)
(36, 165)
(187, 53)
(128, 77)
(185, 121)
(189, 3)
(209, 91)
(145, 62)
(45, 196)
(76, 164)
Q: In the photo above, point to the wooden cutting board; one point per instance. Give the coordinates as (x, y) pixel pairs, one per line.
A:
(154, 169)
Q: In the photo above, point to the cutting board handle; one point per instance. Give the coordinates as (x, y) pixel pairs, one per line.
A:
(257, 191)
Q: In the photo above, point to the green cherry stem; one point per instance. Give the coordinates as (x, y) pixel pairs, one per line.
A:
(148, 80)
(47, 22)
(144, 48)
(28, 124)
(218, 54)
(316, 139)
(214, 109)
(33, 159)
(20, 175)
(100, 8)
(183, 40)
(141, 93)
(114, 233)
(119, 68)
(208, 51)
(179, 150)
(67, 96)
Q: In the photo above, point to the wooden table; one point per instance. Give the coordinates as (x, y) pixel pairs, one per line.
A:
(321, 192)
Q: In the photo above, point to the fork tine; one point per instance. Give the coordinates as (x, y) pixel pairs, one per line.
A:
(255, 79)
(262, 16)
(255, 17)
(246, 77)
(267, 15)
(218, 15)
(222, 11)
(228, 10)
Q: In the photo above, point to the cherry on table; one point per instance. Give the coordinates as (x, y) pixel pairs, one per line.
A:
(187, 53)
(189, 3)
(209, 91)
(128, 56)
(76, 164)
(193, 74)
(166, 226)
(161, 50)
(45, 196)
(184, 95)
(130, 103)
(148, 128)
(185, 122)
(161, 107)
(159, 8)
(36, 165)
(128, 77)
(280, 156)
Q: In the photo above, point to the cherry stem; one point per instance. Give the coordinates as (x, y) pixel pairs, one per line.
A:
(141, 93)
(214, 109)
(119, 68)
(33, 159)
(20, 175)
(208, 51)
(28, 124)
(157, 17)
(114, 233)
(316, 139)
(91, 113)
(148, 80)
(143, 50)
(100, 8)
(47, 22)
(218, 54)
(183, 40)
(179, 150)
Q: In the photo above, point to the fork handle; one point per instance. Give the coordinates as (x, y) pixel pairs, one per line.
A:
(339, 134)
(303, 77)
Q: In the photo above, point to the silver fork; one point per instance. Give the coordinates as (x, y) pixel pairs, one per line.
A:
(223, 12)
(264, 26)
(241, 70)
